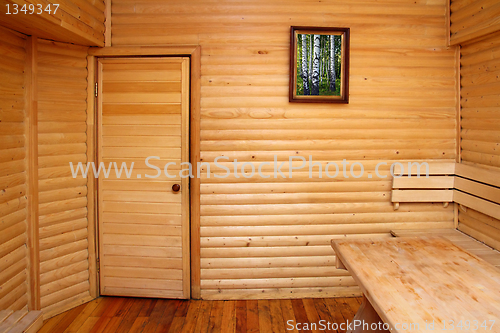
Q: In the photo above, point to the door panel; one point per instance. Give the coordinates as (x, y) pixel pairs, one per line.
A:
(143, 223)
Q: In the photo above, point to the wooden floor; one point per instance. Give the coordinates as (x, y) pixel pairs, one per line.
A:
(118, 314)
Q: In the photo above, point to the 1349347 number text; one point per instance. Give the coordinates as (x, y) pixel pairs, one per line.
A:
(31, 9)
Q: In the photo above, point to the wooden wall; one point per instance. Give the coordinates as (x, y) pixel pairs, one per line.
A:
(63, 222)
(44, 240)
(13, 175)
(74, 21)
(480, 100)
(471, 19)
(270, 238)
(480, 123)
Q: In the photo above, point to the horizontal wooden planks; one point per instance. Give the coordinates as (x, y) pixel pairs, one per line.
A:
(483, 227)
(478, 194)
(377, 265)
(64, 245)
(141, 217)
(473, 19)
(74, 21)
(458, 238)
(245, 115)
(479, 101)
(14, 256)
(479, 140)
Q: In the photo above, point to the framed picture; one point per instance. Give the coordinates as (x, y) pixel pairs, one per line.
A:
(319, 65)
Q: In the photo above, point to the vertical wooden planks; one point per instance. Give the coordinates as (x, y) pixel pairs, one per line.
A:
(32, 170)
(14, 254)
(91, 181)
(194, 145)
(270, 237)
(62, 138)
(185, 156)
(107, 23)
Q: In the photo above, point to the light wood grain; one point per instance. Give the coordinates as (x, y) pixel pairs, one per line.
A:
(469, 186)
(30, 323)
(16, 289)
(478, 74)
(474, 20)
(460, 239)
(64, 233)
(74, 21)
(479, 218)
(420, 260)
(243, 116)
(135, 217)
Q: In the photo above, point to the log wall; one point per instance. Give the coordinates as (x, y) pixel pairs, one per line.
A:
(13, 173)
(480, 100)
(480, 124)
(63, 222)
(259, 237)
(471, 19)
(45, 242)
(73, 21)
(270, 237)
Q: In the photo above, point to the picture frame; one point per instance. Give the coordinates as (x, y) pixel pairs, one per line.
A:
(319, 65)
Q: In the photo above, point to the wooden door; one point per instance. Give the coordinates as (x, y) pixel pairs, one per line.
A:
(143, 112)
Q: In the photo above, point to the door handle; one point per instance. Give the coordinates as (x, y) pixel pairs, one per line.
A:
(176, 187)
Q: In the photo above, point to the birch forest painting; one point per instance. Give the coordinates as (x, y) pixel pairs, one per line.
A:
(318, 65)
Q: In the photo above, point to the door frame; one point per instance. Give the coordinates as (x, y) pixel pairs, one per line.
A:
(193, 52)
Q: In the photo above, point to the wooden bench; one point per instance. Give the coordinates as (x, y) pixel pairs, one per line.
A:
(478, 189)
(469, 186)
(20, 321)
(420, 284)
(411, 184)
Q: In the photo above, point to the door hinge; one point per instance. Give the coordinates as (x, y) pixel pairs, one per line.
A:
(98, 265)
(96, 89)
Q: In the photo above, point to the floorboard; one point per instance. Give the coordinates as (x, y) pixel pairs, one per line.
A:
(146, 315)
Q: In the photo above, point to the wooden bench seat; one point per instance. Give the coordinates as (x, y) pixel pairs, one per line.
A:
(458, 238)
(20, 321)
(422, 184)
(469, 186)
